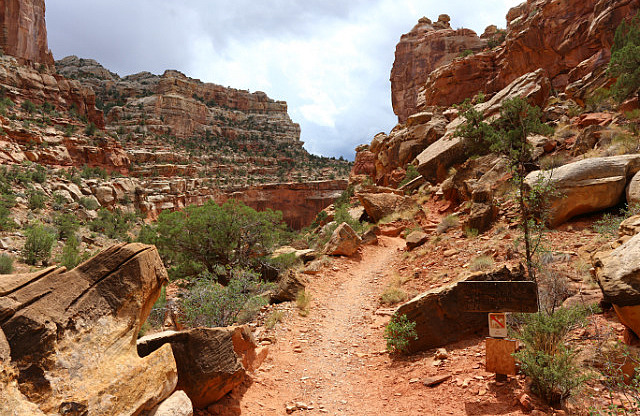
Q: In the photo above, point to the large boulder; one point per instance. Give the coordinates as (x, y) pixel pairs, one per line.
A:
(72, 334)
(618, 275)
(585, 186)
(438, 317)
(379, 205)
(434, 162)
(289, 285)
(343, 242)
(211, 361)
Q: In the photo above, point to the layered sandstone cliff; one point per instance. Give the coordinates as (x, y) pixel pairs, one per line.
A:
(570, 40)
(426, 47)
(24, 31)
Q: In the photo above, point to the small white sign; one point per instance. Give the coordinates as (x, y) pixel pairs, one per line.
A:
(498, 325)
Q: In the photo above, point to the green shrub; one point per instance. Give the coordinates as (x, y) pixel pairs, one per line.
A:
(7, 201)
(90, 130)
(398, 332)
(546, 358)
(89, 203)
(205, 237)
(67, 224)
(36, 199)
(28, 106)
(284, 261)
(39, 175)
(58, 201)
(114, 224)
(158, 310)
(465, 53)
(609, 224)
(38, 245)
(411, 174)
(210, 304)
(6, 264)
(625, 59)
(71, 256)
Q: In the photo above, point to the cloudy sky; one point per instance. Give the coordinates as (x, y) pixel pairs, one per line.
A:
(329, 59)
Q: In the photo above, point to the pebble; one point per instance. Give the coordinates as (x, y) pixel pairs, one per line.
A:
(442, 354)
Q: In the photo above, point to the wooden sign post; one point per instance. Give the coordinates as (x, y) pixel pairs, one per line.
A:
(497, 298)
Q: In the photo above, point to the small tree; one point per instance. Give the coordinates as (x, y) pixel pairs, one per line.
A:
(625, 59)
(38, 245)
(507, 136)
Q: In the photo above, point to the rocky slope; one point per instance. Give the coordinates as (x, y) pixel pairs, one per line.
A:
(24, 33)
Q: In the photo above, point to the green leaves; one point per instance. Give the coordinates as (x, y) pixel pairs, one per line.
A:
(625, 59)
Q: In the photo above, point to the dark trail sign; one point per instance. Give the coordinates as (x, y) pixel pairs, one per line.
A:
(498, 296)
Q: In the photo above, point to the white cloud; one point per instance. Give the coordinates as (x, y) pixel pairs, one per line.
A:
(329, 59)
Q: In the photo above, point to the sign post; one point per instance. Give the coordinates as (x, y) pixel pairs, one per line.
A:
(497, 298)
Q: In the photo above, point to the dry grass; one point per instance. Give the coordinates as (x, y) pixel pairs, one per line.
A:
(393, 293)
(406, 214)
(274, 319)
(481, 263)
(303, 302)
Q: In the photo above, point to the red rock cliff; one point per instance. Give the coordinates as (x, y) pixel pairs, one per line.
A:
(426, 47)
(569, 39)
(24, 31)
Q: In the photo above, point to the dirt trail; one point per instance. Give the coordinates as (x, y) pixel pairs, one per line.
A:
(334, 361)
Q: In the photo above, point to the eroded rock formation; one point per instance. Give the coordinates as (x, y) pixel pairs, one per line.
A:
(72, 335)
(24, 31)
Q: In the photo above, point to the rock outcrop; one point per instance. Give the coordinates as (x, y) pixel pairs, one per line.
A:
(343, 242)
(585, 186)
(24, 31)
(379, 205)
(211, 361)
(439, 320)
(426, 47)
(72, 335)
(570, 40)
(618, 277)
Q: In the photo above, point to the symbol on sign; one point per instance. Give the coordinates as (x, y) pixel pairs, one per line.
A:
(498, 325)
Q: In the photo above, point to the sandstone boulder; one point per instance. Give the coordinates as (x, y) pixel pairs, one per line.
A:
(211, 361)
(343, 242)
(439, 320)
(588, 185)
(618, 275)
(481, 216)
(288, 287)
(533, 86)
(178, 404)
(416, 239)
(633, 190)
(435, 161)
(72, 334)
(379, 205)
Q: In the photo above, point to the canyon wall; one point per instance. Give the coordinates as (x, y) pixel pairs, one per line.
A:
(24, 31)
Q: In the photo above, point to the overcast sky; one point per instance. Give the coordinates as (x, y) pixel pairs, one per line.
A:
(329, 59)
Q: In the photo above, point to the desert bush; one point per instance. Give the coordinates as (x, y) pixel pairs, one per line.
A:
(28, 106)
(6, 264)
(67, 224)
(622, 391)
(37, 247)
(205, 237)
(71, 256)
(114, 224)
(7, 201)
(303, 302)
(411, 174)
(273, 319)
(625, 59)
(39, 174)
(158, 310)
(284, 261)
(90, 130)
(610, 222)
(89, 203)
(210, 304)
(481, 263)
(36, 199)
(398, 332)
(548, 361)
(393, 295)
(450, 221)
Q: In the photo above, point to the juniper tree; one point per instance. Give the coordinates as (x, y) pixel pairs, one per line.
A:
(625, 59)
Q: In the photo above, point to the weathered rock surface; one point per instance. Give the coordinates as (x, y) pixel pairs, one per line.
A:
(588, 185)
(24, 31)
(416, 239)
(439, 320)
(288, 287)
(343, 242)
(379, 205)
(570, 40)
(211, 361)
(427, 46)
(178, 404)
(72, 334)
(617, 274)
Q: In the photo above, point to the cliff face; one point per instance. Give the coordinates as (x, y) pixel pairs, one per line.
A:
(570, 40)
(426, 47)
(24, 31)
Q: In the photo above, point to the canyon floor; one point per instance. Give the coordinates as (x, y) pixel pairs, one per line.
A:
(334, 361)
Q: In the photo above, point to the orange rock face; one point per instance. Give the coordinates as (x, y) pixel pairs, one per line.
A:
(570, 40)
(24, 31)
(426, 47)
